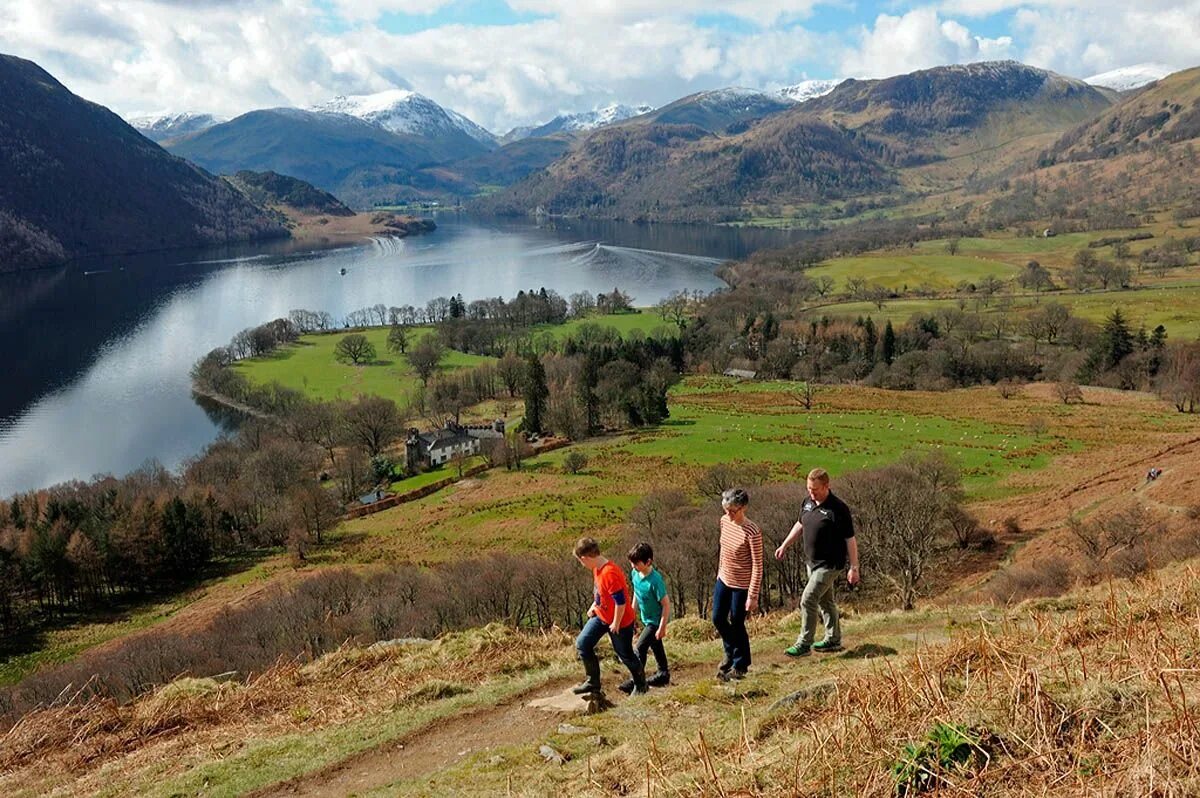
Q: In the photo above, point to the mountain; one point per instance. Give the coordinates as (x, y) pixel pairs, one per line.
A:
(718, 111)
(271, 189)
(514, 161)
(170, 126)
(1130, 77)
(685, 173)
(582, 121)
(923, 133)
(76, 180)
(1164, 112)
(402, 111)
(950, 111)
(358, 161)
(808, 89)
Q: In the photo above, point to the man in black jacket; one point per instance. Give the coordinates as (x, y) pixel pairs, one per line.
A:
(827, 531)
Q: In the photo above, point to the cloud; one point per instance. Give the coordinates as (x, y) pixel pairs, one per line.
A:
(918, 40)
(762, 12)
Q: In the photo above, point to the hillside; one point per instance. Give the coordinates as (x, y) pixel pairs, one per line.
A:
(270, 188)
(401, 111)
(76, 180)
(170, 126)
(922, 133)
(514, 161)
(684, 173)
(358, 161)
(1166, 111)
(717, 111)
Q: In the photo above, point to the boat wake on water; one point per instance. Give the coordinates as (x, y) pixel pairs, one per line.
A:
(383, 246)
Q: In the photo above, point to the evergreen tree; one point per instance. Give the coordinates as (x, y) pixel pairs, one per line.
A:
(870, 340)
(536, 393)
(889, 343)
(1116, 341)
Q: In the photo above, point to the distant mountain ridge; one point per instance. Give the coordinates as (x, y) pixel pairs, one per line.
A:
(169, 126)
(77, 180)
(707, 155)
(270, 188)
(581, 121)
(808, 89)
(1130, 77)
(402, 111)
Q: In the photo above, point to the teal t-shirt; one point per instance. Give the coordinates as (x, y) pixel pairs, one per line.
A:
(649, 591)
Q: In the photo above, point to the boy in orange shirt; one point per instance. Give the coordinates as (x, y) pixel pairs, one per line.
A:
(610, 613)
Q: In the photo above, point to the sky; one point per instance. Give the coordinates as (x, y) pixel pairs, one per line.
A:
(505, 63)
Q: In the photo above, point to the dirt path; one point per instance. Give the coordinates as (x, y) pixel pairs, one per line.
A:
(430, 749)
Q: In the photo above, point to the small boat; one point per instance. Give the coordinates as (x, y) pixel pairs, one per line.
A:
(343, 270)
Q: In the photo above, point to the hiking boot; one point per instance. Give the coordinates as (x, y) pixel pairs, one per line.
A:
(627, 686)
(586, 687)
(659, 679)
(800, 650)
(725, 665)
(733, 675)
(826, 647)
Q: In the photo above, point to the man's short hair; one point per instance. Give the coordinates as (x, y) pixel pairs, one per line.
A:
(587, 547)
(641, 552)
(819, 475)
(735, 497)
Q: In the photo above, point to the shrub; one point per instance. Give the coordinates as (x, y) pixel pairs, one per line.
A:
(575, 462)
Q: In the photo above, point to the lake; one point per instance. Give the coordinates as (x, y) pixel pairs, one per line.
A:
(97, 354)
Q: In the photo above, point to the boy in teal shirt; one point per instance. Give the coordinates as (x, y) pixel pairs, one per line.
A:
(653, 608)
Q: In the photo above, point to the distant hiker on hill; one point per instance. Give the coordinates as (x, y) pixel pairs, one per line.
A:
(829, 542)
(739, 578)
(653, 608)
(1153, 474)
(609, 614)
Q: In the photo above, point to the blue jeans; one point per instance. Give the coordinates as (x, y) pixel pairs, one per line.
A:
(729, 616)
(622, 643)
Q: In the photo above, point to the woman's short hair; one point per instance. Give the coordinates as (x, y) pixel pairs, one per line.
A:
(735, 497)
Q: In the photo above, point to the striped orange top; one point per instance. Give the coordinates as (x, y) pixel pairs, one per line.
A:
(741, 563)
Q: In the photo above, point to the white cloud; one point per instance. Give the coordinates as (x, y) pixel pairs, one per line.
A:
(372, 9)
(918, 40)
(763, 12)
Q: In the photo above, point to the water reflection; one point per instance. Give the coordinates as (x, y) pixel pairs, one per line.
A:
(98, 381)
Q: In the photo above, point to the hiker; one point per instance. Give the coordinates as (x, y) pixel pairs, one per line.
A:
(653, 608)
(739, 577)
(1153, 474)
(829, 543)
(609, 614)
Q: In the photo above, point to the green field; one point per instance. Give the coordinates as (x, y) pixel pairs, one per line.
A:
(1176, 308)
(309, 366)
(905, 272)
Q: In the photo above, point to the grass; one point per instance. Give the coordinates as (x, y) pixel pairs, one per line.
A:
(309, 366)
(1174, 308)
(542, 508)
(905, 272)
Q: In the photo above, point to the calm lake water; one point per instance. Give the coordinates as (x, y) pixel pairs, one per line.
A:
(95, 376)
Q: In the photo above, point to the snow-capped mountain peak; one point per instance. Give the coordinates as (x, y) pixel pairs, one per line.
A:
(808, 89)
(1130, 77)
(160, 127)
(403, 111)
(609, 114)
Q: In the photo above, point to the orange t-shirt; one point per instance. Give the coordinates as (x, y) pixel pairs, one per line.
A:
(610, 585)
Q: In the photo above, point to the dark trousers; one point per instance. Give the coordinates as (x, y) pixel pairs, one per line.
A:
(647, 642)
(729, 616)
(622, 643)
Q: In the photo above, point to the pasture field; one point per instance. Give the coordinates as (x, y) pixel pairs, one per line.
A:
(1175, 307)
(310, 367)
(1005, 448)
(905, 272)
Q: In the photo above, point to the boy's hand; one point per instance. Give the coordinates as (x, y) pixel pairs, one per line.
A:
(612, 627)
(591, 611)
(661, 633)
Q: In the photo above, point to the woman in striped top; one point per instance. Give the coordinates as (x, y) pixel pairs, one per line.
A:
(739, 577)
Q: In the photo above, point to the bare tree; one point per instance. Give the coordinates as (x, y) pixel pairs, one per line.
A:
(374, 423)
(355, 349)
(398, 339)
(425, 357)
